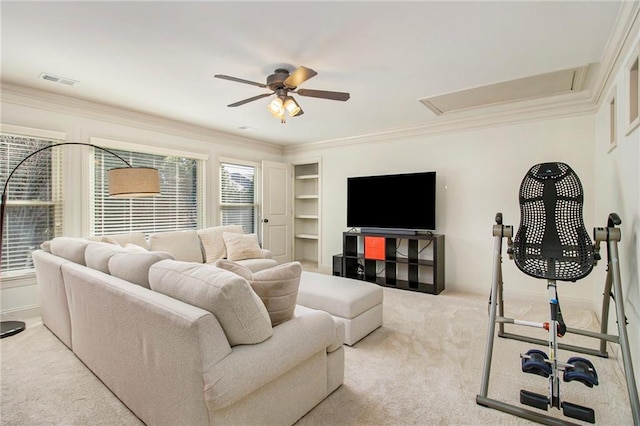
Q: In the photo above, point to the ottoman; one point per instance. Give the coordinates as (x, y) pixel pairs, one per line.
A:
(357, 304)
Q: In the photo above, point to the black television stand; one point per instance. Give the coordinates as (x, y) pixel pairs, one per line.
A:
(405, 261)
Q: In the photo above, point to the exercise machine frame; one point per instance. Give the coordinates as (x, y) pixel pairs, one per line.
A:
(613, 290)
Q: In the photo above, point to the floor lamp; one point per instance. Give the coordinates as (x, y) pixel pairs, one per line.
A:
(124, 182)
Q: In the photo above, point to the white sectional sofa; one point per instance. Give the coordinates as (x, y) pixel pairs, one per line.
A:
(143, 323)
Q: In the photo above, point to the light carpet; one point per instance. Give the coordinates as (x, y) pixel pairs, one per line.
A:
(422, 367)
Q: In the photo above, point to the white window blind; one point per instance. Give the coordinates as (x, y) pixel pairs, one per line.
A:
(237, 196)
(34, 194)
(178, 207)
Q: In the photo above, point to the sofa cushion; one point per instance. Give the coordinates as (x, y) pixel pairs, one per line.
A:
(227, 296)
(242, 246)
(213, 243)
(97, 255)
(46, 246)
(277, 287)
(183, 245)
(134, 266)
(70, 248)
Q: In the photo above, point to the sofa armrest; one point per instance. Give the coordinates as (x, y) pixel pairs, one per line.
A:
(267, 253)
(53, 298)
(339, 336)
(249, 367)
(257, 264)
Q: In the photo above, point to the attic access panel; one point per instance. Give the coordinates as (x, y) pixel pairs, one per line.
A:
(538, 86)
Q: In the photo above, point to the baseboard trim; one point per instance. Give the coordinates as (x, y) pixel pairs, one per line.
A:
(24, 312)
(523, 296)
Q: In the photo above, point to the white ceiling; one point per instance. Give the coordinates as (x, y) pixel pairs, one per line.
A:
(161, 57)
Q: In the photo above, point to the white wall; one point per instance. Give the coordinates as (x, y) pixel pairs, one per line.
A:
(83, 120)
(617, 182)
(478, 174)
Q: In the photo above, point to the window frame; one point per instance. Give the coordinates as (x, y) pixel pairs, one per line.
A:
(632, 83)
(87, 204)
(613, 119)
(256, 189)
(22, 277)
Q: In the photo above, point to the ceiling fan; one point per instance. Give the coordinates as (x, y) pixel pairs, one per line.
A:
(281, 83)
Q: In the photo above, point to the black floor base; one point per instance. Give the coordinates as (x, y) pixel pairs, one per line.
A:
(9, 328)
(579, 412)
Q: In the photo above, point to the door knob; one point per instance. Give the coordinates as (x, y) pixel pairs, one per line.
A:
(265, 220)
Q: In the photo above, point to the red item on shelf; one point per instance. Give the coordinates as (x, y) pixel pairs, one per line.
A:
(374, 247)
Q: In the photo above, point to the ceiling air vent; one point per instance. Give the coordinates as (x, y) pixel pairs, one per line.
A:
(56, 79)
(538, 86)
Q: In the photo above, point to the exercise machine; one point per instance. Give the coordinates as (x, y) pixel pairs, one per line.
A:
(553, 244)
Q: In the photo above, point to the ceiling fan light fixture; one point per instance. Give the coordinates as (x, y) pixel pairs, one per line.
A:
(281, 82)
(276, 107)
(292, 106)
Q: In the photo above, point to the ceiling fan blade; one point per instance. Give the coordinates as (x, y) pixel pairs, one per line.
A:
(299, 76)
(246, 101)
(239, 80)
(334, 96)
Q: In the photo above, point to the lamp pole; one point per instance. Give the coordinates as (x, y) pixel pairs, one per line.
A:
(149, 184)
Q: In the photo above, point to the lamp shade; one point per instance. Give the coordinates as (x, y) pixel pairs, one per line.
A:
(292, 106)
(130, 182)
(276, 107)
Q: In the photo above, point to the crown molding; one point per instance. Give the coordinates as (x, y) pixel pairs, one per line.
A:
(619, 44)
(35, 98)
(564, 106)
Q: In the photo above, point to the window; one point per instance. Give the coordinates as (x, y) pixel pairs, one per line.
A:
(34, 201)
(179, 206)
(613, 121)
(633, 87)
(238, 204)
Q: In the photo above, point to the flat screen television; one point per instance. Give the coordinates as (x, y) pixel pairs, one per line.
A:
(392, 202)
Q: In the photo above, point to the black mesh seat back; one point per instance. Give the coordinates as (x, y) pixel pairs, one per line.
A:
(552, 242)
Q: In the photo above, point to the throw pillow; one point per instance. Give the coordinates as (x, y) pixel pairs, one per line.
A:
(108, 239)
(137, 238)
(227, 296)
(242, 246)
(277, 287)
(134, 248)
(183, 245)
(213, 243)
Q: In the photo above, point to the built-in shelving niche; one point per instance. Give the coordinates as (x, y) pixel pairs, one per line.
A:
(306, 214)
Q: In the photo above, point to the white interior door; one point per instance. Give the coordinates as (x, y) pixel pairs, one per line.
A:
(276, 210)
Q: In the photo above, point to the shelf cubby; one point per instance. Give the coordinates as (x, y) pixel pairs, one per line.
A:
(411, 262)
